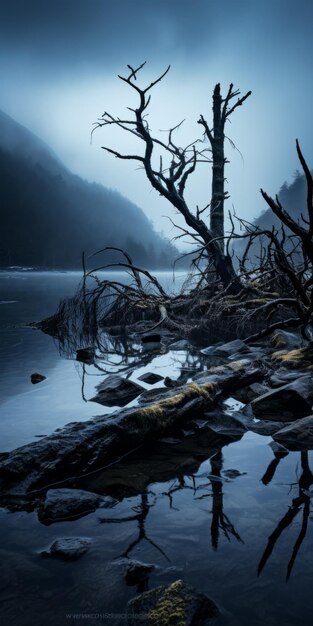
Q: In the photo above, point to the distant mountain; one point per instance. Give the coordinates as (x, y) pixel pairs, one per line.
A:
(49, 215)
(293, 199)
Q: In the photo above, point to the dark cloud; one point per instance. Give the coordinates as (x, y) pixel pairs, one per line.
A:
(66, 33)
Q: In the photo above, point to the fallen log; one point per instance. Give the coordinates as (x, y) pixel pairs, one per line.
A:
(81, 447)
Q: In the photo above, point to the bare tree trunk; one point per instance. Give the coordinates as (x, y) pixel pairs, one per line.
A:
(218, 192)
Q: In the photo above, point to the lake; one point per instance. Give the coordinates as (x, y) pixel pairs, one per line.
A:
(215, 513)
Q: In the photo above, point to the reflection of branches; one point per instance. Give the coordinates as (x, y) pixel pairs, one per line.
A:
(140, 517)
(305, 480)
(182, 485)
(219, 519)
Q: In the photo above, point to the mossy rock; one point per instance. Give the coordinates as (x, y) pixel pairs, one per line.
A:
(176, 604)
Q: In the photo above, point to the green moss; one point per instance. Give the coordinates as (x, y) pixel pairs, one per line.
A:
(170, 609)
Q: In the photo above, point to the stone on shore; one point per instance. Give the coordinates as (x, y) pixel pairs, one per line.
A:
(298, 435)
(227, 349)
(175, 604)
(61, 504)
(286, 403)
(117, 391)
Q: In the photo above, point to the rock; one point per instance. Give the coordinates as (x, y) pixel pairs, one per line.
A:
(267, 428)
(137, 573)
(60, 504)
(68, 548)
(169, 382)
(298, 435)
(233, 473)
(183, 344)
(285, 339)
(254, 353)
(150, 378)
(279, 451)
(116, 391)
(37, 378)
(156, 338)
(85, 355)
(286, 403)
(227, 425)
(175, 604)
(246, 394)
(227, 349)
(152, 395)
(282, 377)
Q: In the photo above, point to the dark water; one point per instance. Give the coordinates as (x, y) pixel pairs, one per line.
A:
(189, 516)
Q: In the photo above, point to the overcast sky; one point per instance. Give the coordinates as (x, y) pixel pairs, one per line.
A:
(59, 62)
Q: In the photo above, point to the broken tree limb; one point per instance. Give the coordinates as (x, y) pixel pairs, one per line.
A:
(81, 447)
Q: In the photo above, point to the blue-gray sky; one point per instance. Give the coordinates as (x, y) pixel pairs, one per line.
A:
(59, 61)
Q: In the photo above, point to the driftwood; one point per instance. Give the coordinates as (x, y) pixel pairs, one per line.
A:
(82, 447)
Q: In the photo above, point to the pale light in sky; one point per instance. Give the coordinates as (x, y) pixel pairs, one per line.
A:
(59, 64)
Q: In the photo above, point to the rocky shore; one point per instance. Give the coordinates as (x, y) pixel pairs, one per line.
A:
(83, 467)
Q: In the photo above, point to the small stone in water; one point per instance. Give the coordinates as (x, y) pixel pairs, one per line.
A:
(37, 378)
(150, 378)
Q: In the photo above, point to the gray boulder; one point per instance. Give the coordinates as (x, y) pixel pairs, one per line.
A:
(285, 339)
(177, 603)
(227, 349)
(117, 391)
(231, 426)
(60, 504)
(68, 548)
(286, 403)
(282, 377)
(266, 428)
(298, 435)
(249, 393)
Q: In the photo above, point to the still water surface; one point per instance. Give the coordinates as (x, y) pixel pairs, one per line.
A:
(199, 522)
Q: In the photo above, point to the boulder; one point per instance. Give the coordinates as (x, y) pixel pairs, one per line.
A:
(60, 504)
(298, 435)
(150, 378)
(282, 377)
(249, 393)
(226, 425)
(285, 339)
(117, 391)
(68, 548)
(286, 403)
(227, 349)
(177, 603)
(267, 428)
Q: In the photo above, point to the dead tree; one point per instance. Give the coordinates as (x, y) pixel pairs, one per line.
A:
(176, 164)
(216, 136)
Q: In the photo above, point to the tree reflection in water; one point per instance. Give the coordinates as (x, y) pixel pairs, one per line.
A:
(220, 521)
(300, 503)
